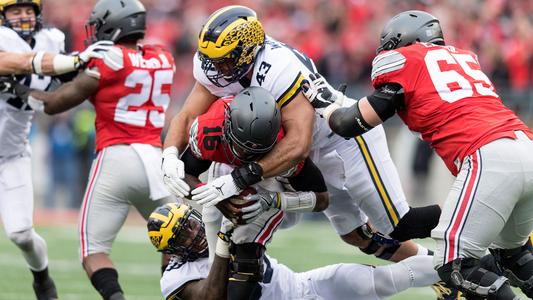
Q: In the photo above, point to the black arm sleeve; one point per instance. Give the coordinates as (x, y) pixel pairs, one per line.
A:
(309, 179)
(348, 121)
(193, 165)
(386, 100)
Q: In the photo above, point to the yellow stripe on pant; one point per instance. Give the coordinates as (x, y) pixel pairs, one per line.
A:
(382, 191)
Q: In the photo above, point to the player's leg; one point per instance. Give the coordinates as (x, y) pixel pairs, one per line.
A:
(104, 199)
(474, 213)
(247, 249)
(16, 211)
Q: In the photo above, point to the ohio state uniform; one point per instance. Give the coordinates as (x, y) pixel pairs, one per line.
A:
(454, 106)
(434, 79)
(130, 104)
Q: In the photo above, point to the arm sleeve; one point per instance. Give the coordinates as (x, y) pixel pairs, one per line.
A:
(386, 100)
(194, 166)
(309, 179)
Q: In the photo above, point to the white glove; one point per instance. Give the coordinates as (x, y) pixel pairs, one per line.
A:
(322, 95)
(215, 191)
(36, 104)
(174, 173)
(263, 202)
(95, 50)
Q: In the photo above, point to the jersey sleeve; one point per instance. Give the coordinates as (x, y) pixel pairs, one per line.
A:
(279, 74)
(194, 141)
(112, 60)
(389, 67)
(176, 277)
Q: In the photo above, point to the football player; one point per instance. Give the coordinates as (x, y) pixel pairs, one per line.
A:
(177, 229)
(26, 48)
(234, 53)
(440, 91)
(234, 131)
(130, 89)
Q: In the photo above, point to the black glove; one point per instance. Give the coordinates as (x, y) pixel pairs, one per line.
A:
(11, 86)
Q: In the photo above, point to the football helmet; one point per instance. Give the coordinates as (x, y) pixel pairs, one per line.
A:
(252, 123)
(228, 43)
(24, 27)
(114, 20)
(177, 229)
(409, 27)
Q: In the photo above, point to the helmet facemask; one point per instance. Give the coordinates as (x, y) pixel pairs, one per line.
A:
(24, 27)
(188, 241)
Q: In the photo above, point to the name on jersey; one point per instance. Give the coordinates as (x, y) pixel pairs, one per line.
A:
(153, 63)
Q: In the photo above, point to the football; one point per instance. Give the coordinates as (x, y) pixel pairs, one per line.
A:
(239, 201)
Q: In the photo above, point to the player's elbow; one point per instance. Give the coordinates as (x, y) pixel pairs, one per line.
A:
(301, 147)
(344, 124)
(322, 201)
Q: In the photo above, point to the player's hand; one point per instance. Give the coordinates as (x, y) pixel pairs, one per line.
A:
(215, 191)
(174, 173)
(321, 94)
(224, 238)
(11, 86)
(96, 50)
(263, 202)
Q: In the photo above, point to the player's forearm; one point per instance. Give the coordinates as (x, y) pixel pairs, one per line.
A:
(39, 63)
(15, 63)
(352, 121)
(217, 280)
(297, 121)
(178, 131)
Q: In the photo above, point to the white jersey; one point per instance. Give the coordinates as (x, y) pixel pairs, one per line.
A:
(15, 116)
(281, 70)
(339, 281)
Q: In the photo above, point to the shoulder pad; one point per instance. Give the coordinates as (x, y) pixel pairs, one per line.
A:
(114, 58)
(193, 139)
(54, 34)
(11, 41)
(389, 61)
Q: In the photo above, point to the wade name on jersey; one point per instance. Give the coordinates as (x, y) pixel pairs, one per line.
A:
(133, 95)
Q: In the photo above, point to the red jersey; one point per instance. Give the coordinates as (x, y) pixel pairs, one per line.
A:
(206, 137)
(448, 99)
(133, 94)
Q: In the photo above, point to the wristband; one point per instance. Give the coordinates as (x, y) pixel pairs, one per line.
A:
(64, 63)
(222, 246)
(247, 175)
(37, 63)
(296, 201)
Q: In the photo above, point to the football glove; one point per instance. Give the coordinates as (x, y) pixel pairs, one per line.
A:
(215, 191)
(95, 50)
(11, 86)
(263, 202)
(174, 173)
(322, 95)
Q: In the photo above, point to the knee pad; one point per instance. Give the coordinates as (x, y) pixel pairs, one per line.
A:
(23, 239)
(517, 265)
(475, 282)
(417, 223)
(246, 262)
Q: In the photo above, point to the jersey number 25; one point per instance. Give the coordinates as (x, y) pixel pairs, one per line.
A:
(134, 109)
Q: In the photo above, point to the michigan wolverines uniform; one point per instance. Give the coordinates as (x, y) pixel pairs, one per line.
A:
(359, 173)
(339, 281)
(130, 104)
(16, 190)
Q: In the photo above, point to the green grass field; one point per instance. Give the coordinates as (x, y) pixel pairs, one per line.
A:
(308, 245)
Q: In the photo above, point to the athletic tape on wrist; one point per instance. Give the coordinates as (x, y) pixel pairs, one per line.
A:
(64, 63)
(37, 63)
(298, 201)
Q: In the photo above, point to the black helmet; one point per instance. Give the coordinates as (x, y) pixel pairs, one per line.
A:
(409, 27)
(228, 43)
(252, 123)
(25, 28)
(114, 20)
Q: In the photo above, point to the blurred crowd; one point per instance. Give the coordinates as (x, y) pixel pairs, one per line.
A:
(339, 35)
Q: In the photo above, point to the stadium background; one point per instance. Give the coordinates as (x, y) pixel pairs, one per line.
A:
(341, 37)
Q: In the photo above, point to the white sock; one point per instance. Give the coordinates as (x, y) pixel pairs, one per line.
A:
(414, 271)
(422, 250)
